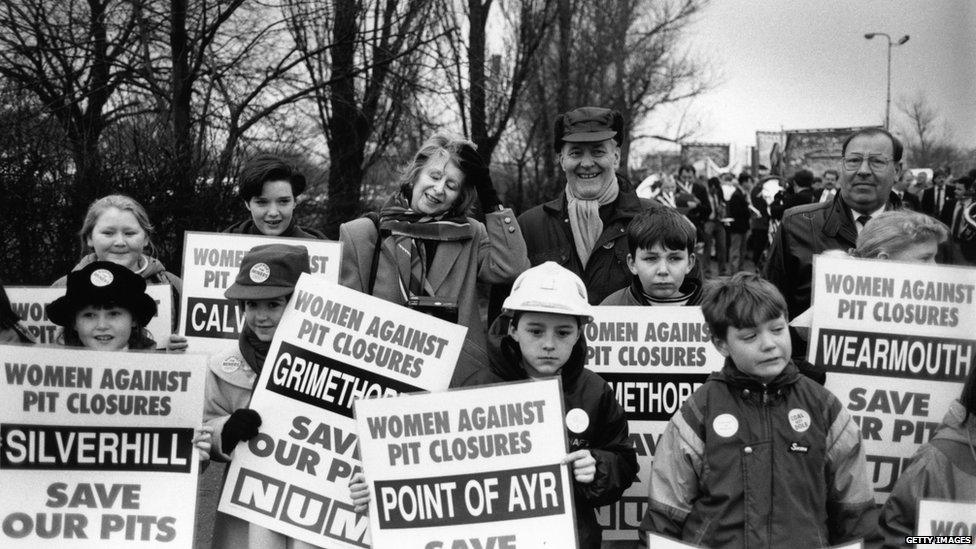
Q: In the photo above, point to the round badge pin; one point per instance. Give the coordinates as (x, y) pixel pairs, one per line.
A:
(799, 420)
(725, 425)
(101, 277)
(231, 364)
(260, 272)
(577, 420)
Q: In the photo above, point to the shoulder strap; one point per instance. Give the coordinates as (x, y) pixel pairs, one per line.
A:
(375, 218)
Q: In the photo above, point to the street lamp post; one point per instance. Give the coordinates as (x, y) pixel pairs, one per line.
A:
(900, 41)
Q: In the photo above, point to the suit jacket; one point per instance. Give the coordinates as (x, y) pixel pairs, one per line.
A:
(699, 214)
(910, 202)
(494, 254)
(948, 205)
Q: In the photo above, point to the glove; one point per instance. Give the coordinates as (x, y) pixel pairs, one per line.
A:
(241, 425)
(476, 171)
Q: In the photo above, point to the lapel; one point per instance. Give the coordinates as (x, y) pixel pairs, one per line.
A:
(445, 258)
(839, 224)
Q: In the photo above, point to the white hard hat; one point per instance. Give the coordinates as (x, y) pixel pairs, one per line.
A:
(549, 288)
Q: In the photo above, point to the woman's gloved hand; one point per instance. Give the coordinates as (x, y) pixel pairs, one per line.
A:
(242, 425)
(476, 172)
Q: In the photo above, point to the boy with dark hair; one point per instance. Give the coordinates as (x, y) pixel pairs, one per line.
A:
(759, 456)
(662, 243)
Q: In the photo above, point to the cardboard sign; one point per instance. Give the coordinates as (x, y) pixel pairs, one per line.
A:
(96, 447)
(897, 343)
(210, 265)
(946, 522)
(654, 358)
(29, 302)
(332, 347)
(475, 464)
(657, 541)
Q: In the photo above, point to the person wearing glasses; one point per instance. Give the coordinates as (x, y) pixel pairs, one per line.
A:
(870, 165)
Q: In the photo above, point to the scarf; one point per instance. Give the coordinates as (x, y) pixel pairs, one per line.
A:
(409, 230)
(253, 349)
(584, 215)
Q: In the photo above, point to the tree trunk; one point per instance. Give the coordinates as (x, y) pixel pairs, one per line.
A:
(477, 15)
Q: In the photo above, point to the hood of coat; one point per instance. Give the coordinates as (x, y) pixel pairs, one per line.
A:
(732, 376)
(956, 426)
(506, 358)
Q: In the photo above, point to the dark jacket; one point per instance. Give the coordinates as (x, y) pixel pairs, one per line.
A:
(948, 204)
(747, 464)
(806, 231)
(633, 295)
(293, 230)
(548, 237)
(606, 437)
(699, 214)
(738, 210)
(910, 202)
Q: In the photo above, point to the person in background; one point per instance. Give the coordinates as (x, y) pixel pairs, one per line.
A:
(963, 228)
(713, 231)
(738, 230)
(232, 373)
(828, 189)
(117, 229)
(269, 188)
(759, 456)
(800, 191)
(944, 468)
(12, 329)
(903, 190)
(699, 213)
(767, 197)
(424, 252)
(939, 200)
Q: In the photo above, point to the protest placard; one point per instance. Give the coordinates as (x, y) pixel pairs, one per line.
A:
(29, 302)
(332, 347)
(469, 468)
(210, 265)
(897, 342)
(96, 447)
(947, 522)
(654, 358)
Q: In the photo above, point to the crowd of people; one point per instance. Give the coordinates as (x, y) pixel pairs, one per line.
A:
(739, 248)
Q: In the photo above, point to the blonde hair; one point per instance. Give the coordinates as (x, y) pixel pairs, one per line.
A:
(893, 231)
(432, 148)
(120, 202)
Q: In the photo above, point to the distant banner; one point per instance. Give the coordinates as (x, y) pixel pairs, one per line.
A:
(469, 466)
(96, 447)
(943, 522)
(333, 347)
(29, 302)
(654, 358)
(897, 342)
(210, 265)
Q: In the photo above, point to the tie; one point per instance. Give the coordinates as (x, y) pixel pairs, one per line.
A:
(957, 220)
(938, 200)
(863, 219)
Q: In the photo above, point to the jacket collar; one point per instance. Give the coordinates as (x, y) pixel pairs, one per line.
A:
(840, 224)
(731, 375)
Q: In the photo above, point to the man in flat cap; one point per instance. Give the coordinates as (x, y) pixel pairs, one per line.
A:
(584, 228)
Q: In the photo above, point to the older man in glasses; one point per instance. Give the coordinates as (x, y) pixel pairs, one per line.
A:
(870, 166)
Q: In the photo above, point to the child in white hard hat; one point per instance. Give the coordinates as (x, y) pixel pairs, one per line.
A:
(540, 335)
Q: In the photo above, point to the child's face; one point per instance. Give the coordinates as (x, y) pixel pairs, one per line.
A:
(762, 351)
(104, 328)
(118, 237)
(546, 341)
(262, 316)
(917, 252)
(660, 270)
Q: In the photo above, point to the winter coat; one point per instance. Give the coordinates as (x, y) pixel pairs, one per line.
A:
(154, 273)
(944, 468)
(293, 231)
(747, 464)
(806, 231)
(738, 210)
(495, 253)
(634, 294)
(606, 437)
(548, 237)
(230, 381)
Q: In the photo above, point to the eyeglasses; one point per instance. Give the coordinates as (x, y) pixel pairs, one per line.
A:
(876, 163)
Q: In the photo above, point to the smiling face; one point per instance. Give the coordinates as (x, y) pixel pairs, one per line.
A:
(272, 210)
(437, 187)
(761, 351)
(866, 189)
(829, 181)
(590, 167)
(104, 328)
(661, 271)
(546, 341)
(118, 237)
(263, 315)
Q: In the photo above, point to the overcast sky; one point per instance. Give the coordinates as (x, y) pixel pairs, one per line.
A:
(805, 64)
